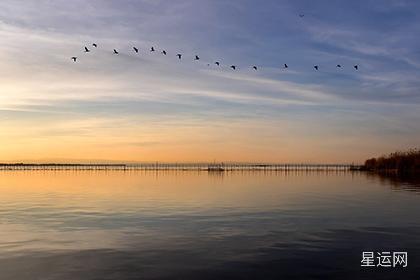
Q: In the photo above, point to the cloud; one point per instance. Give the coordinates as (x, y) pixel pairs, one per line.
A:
(122, 97)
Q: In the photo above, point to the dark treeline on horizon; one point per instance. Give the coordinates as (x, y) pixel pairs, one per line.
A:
(401, 162)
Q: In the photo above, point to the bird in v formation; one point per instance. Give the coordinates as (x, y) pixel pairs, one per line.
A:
(234, 67)
(152, 49)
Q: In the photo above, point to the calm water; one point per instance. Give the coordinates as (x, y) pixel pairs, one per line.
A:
(196, 225)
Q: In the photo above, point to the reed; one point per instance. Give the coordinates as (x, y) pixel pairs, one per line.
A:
(400, 162)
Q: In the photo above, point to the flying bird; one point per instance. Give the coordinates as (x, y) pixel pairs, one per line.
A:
(197, 57)
(286, 66)
(356, 67)
(115, 51)
(254, 67)
(86, 49)
(136, 49)
(74, 58)
(301, 15)
(179, 56)
(217, 63)
(164, 52)
(233, 67)
(316, 67)
(152, 49)
(95, 45)
(339, 65)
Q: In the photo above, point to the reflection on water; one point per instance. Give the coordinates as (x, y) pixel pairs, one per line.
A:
(403, 182)
(198, 225)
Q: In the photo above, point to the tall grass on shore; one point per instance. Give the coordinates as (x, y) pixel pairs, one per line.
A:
(401, 162)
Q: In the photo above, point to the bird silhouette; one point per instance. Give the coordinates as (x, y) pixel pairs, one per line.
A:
(301, 15)
(115, 51)
(164, 52)
(217, 63)
(74, 58)
(254, 67)
(179, 56)
(197, 57)
(286, 66)
(316, 67)
(136, 49)
(95, 45)
(86, 49)
(356, 67)
(339, 65)
(233, 67)
(152, 49)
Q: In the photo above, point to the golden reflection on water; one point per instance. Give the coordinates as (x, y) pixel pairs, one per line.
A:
(57, 210)
(92, 223)
(136, 188)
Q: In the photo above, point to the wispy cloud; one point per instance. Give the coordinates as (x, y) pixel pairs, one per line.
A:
(142, 100)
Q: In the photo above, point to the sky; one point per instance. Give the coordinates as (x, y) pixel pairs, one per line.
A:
(149, 107)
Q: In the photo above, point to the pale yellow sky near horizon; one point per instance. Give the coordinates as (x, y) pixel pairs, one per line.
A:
(106, 140)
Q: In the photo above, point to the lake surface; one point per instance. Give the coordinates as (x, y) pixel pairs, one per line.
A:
(200, 225)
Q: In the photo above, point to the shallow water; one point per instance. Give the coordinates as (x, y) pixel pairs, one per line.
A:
(199, 225)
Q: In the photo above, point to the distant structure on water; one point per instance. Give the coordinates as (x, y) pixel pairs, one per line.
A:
(210, 167)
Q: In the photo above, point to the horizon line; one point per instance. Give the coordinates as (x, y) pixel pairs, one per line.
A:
(169, 163)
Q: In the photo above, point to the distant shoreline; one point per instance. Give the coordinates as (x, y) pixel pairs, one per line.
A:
(406, 162)
(211, 167)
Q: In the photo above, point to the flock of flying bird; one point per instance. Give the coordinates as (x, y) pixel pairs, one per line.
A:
(164, 52)
(234, 67)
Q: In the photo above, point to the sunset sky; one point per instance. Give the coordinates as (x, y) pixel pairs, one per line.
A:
(151, 107)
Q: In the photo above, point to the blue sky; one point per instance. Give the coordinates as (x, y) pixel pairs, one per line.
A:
(148, 106)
